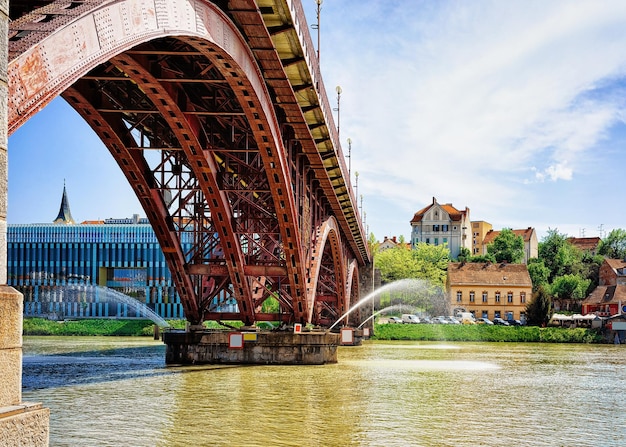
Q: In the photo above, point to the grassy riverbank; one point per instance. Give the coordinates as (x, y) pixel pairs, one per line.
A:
(425, 332)
(41, 326)
(483, 332)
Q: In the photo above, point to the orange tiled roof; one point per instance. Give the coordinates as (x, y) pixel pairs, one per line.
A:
(485, 273)
(492, 234)
(447, 207)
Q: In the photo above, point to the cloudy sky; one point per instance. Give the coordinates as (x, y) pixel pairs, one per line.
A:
(514, 109)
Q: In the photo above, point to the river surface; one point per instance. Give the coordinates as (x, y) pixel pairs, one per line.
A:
(114, 391)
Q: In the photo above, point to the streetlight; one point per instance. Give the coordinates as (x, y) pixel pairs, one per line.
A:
(338, 90)
(356, 183)
(349, 155)
(317, 27)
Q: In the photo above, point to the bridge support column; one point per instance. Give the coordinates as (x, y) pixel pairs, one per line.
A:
(20, 423)
(254, 348)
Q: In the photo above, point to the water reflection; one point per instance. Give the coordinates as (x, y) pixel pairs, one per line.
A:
(117, 391)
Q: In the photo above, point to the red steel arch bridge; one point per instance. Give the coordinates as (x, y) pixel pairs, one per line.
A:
(217, 115)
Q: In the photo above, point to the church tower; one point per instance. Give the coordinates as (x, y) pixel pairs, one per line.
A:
(65, 216)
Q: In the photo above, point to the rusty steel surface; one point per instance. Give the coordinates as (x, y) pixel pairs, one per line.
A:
(217, 115)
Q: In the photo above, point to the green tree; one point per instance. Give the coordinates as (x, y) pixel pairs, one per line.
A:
(558, 254)
(539, 308)
(614, 245)
(395, 263)
(507, 247)
(539, 273)
(464, 254)
(568, 290)
(432, 262)
(483, 258)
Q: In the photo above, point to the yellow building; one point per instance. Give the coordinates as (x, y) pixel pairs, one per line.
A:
(489, 290)
(480, 228)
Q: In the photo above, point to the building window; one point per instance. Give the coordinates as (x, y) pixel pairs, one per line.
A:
(484, 297)
(485, 313)
(459, 296)
(496, 314)
(522, 297)
(444, 228)
(428, 240)
(436, 241)
(435, 227)
(472, 296)
(445, 240)
(509, 297)
(497, 297)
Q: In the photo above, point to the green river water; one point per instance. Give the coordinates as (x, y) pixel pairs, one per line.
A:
(114, 391)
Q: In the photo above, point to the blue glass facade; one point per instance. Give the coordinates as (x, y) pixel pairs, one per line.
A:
(126, 257)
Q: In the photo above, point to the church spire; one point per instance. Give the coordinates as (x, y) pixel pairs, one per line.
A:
(65, 216)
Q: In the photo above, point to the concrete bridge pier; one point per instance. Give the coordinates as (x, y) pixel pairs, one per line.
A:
(251, 347)
(21, 424)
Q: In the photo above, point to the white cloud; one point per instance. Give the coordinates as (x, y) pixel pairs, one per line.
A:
(467, 100)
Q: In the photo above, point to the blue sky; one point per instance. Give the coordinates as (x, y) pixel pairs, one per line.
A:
(513, 109)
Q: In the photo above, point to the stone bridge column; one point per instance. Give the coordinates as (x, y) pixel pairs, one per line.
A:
(21, 423)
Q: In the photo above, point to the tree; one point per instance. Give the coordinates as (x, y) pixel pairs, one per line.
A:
(539, 273)
(396, 263)
(558, 254)
(538, 309)
(507, 247)
(483, 258)
(568, 289)
(464, 254)
(614, 245)
(427, 263)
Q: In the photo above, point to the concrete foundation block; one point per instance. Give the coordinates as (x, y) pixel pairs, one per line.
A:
(24, 425)
(11, 383)
(11, 315)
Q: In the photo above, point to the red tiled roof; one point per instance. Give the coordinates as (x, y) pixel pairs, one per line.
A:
(485, 273)
(606, 295)
(615, 264)
(585, 243)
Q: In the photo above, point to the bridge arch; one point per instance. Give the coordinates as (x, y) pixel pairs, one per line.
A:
(159, 113)
(331, 276)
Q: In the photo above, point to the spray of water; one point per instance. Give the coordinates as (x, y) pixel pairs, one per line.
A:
(407, 286)
(93, 293)
(394, 308)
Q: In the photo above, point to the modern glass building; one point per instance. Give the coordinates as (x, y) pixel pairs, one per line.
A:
(80, 270)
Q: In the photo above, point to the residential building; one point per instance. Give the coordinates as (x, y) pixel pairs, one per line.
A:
(586, 244)
(529, 235)
(609, 298)
(388, 243)
(442, 224)
(489, 290)
(480, 228)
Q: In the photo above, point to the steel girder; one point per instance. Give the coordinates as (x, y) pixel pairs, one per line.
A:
(211, 156)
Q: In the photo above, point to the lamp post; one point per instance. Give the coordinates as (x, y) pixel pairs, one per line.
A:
(349, 156)
(316, 26)
(356, 183)
(338, 90)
